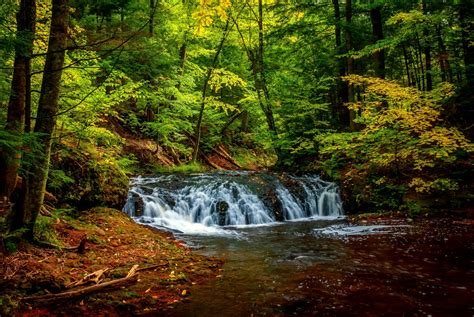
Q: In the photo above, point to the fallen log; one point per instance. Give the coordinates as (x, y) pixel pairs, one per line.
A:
(130, 279)
(209, 162)
(221, 152)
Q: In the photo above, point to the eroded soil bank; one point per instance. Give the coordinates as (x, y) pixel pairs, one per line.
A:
(166, 269)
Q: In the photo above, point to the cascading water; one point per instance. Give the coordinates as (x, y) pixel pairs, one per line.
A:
(201, 203)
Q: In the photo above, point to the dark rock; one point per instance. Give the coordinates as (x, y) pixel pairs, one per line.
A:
(270, 199)
(222, 208)
(139, 205)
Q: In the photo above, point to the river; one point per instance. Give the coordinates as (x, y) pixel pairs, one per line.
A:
(310, 260)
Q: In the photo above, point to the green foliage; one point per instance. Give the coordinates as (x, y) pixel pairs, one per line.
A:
(58, 179)
(87, 171)
(44, 230)
(191, 167)
(130, 97)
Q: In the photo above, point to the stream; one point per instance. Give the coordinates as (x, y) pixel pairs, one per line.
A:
(289, 250)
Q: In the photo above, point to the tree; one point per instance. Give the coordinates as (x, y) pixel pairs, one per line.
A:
(342, 87)
(19, 95)
(210, 69)
(47, 112)
(377, 31)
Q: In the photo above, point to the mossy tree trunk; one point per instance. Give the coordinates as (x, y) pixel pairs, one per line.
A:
(10, 158)
(47, 112)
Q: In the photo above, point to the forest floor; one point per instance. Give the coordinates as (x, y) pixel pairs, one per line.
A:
(115, 243)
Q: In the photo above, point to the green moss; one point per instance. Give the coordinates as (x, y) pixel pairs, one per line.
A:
(251, 159)
(193, 167)
(44, 230)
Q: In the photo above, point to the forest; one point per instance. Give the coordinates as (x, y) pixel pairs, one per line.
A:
(374, 96)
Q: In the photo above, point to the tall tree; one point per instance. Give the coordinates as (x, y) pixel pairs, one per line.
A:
(342, 87)
(197, 136)
(151, 24)
(19, 95)
(466, 15)
(377, 32)
(260, 66)
(427, 51)
(350, 60)
(47, 112)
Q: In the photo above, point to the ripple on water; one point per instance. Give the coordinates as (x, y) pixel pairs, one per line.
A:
(341, 230)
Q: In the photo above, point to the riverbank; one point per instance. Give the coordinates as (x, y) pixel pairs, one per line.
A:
(165, 268)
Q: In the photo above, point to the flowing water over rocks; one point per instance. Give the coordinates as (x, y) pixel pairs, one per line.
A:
(201, 203)
(318, 264)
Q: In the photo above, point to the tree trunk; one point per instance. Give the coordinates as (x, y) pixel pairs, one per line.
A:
(377, 32)
(407, 67)
(151, 24)
(204, 90)
(350, 61)
(182, 60)
(260, 65)
(257, 67)
(415, 69)
(466, 13)
(443, 57)
(19, 95)
(245, 121)
(429, 79)
(419, 57)
(47, 111)
(342, 87)
(427, 49)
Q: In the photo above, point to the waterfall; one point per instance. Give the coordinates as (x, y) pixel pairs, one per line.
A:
(202, 202)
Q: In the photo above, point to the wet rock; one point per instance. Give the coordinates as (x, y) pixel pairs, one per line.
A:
(222, 208)
(270, 199)
(139, 205)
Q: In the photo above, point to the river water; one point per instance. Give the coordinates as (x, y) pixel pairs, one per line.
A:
(313, 261)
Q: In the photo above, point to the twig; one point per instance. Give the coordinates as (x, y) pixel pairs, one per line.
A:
(151, 267)
(93, 277)
(131, 278)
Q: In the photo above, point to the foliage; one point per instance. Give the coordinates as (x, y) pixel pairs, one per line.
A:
(127, 83)
(402, 143)
(192, 167)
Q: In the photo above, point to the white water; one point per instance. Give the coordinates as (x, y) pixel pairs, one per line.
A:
(343, 230)
(208, 203)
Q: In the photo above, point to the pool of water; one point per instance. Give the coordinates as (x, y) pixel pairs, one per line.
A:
(328, 268)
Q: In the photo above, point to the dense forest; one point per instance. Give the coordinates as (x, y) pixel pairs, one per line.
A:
(376, 96)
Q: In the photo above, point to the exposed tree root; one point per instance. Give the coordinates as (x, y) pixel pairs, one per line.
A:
(79, 249)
